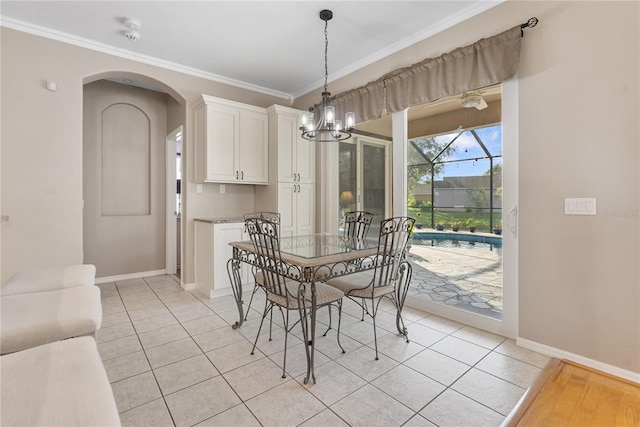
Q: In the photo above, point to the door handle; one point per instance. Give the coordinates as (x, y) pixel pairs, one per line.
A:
(242, 175)
(236, 175)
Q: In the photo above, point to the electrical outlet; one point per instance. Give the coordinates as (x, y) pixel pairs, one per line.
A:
(223, 189)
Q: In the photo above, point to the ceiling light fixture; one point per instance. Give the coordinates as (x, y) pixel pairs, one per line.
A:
(327, 128)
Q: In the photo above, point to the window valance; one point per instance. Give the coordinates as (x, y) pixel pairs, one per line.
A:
(484, 63)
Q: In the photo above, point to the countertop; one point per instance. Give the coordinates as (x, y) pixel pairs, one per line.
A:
(222, 220)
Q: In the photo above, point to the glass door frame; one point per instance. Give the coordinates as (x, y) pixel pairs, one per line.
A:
(508, 325)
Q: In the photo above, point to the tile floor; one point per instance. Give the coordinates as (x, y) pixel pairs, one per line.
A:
(173, 359)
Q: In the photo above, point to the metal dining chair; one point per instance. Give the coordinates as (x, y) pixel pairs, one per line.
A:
(389, 278)
(257, 274)
(357, 224)
(284, 292)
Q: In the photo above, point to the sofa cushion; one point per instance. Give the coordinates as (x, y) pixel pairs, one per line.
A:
(57, 384)
(49, 280)
(30, 320)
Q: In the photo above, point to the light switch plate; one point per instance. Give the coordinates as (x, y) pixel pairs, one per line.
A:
(198, 188)
(580, 206)
(223, 189)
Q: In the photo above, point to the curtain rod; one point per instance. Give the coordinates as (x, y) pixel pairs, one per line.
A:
(532, 22)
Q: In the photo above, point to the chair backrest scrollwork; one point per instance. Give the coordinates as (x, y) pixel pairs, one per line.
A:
(392, 249)
(357, 223)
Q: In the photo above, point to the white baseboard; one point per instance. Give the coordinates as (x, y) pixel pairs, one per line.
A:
(561, 354)
(130, 276)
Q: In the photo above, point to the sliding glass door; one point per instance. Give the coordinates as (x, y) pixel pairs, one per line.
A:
(364, 177)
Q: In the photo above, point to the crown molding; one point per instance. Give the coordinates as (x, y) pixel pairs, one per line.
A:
(49, 33)
(443, 24)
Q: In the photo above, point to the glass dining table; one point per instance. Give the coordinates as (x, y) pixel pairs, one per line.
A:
(309, 258)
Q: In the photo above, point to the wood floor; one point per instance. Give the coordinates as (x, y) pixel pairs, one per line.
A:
(567, 394)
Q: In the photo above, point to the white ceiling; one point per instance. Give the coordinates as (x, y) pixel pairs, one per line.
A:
(276, 47)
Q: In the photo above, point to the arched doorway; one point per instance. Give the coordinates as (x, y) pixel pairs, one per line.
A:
(126, 121)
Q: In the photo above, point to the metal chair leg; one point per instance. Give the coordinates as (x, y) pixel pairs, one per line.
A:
(329, 328)
(261, 322)
(339, 321)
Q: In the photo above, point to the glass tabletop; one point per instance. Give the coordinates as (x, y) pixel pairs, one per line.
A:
(319, 245)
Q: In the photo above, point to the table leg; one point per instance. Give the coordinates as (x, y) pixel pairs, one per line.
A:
(305, 328)
(233, 269)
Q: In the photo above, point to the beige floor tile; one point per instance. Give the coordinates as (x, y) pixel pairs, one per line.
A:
(461, 350)
(185, 373)
(333, 382)
(112, 305)
(192, 313)
(152, 414)
(510, 348)
(409, 387)
(195, 404)
(437, 366)
(277, 340)
(362, 363)
(396, 347)
(362, 332)
(217, 338)
(509, 369)
(162, 336)
(371, 407)
(135, 391)
(493, 392)
(419, 421)
(423, 335)
(255, 378)
(172, 352)
(479, 337)
(295, 405)
(114, 319)
(156, 322)
(440, 324)
(204, 324)
(111, 333)
(325, 418)
(451, 409)
(155, 310)
(329, 345)
(120, 347)
(233, 356)
(126, 366)
(238, 416)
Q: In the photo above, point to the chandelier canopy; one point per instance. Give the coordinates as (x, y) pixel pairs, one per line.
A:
(327, 128)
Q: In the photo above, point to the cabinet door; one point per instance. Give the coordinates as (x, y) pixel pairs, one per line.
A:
(223, 234)
(253, 152)
(287, 207)
(221, 143)
(305, 160)
(305, 209)
(287, 144)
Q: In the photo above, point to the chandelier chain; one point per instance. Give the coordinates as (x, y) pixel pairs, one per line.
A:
(326, 50)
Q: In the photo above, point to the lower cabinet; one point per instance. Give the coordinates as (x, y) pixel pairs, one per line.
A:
(296, 204)
(212, 252)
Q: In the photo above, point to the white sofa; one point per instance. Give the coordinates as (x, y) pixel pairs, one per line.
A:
(30, 320)
(50, 279)
(58, 384)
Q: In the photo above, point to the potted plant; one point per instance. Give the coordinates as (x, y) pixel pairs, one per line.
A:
(418, 224)
(470, 223)
(455, 226)
(498, 229)
(439, 227)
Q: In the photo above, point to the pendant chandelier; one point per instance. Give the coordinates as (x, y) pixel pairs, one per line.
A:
(327, 128)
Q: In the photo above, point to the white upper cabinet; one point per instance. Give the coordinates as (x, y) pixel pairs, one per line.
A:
(296, 155)
(232, 142)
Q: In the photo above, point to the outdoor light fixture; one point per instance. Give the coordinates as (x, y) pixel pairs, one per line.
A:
(328, 128)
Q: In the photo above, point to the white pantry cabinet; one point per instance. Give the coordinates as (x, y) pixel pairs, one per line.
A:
(231, 141)
(212, 252)
(291, 189)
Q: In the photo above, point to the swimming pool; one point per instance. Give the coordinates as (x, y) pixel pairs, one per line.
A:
(475, 242)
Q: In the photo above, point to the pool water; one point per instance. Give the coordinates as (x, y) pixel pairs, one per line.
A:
(480, 243)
